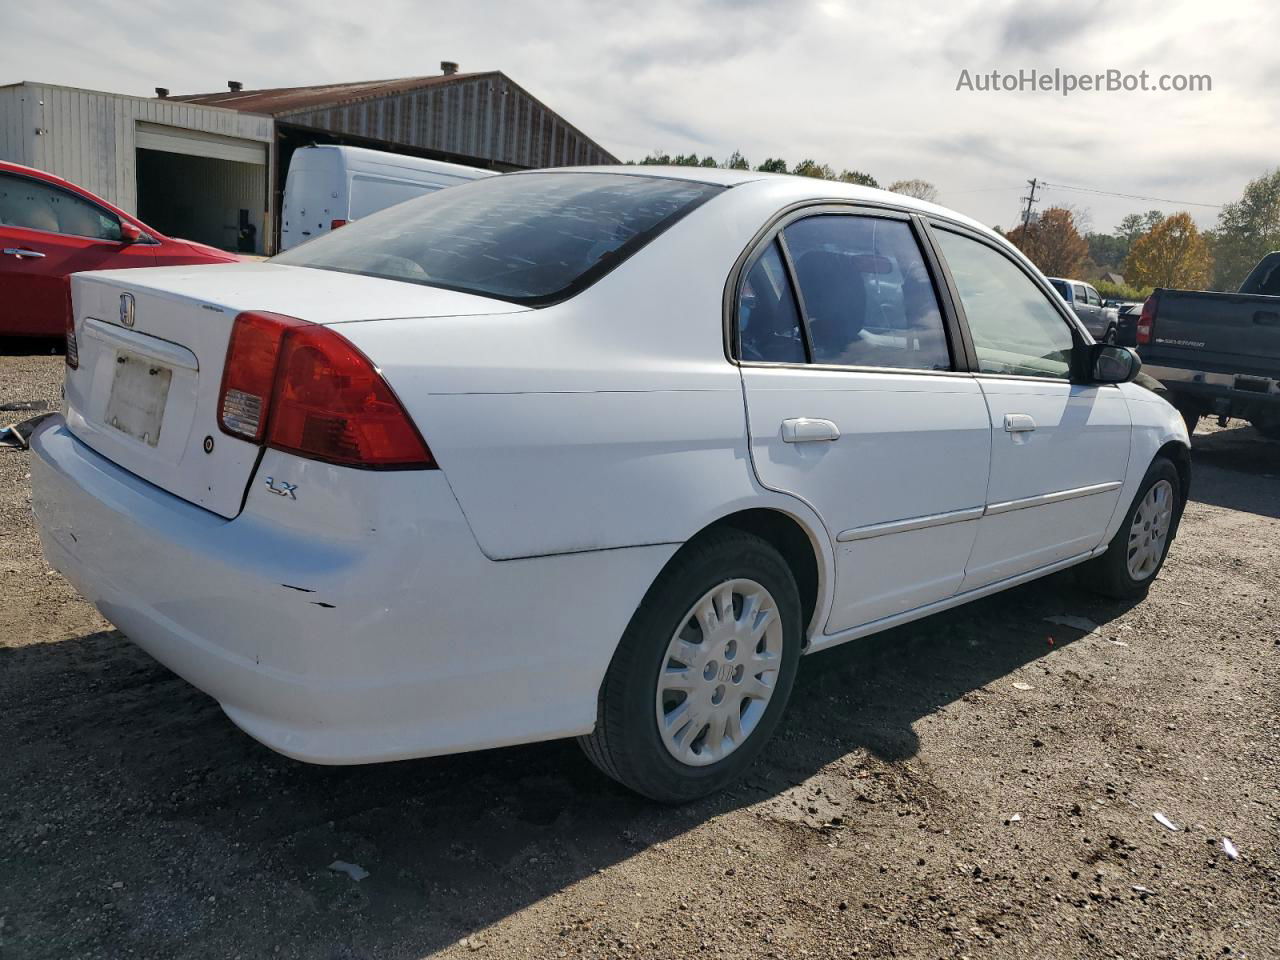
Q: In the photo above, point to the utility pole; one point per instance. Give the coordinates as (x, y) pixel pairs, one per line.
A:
(1031, 199)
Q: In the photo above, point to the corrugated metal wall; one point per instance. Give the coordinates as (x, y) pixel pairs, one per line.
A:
(17, 129)
(88, 137)
(488, 118)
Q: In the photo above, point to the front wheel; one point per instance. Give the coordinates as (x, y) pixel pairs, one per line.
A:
(703, 672)
(1138, 550)
(1110, 336)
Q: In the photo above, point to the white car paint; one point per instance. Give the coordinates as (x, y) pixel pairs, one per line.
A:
(327, 183)
(378, 616)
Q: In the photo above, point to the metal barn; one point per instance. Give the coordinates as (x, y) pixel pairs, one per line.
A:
(208, 166)
(480, 119)
(197, 172)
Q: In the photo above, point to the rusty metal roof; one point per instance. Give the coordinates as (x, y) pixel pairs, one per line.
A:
(284, 100)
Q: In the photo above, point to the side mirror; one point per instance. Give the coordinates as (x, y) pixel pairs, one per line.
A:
(129, 233)
(1111, 364)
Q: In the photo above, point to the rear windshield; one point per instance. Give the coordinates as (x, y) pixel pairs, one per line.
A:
(531, 238)
(1062, 288)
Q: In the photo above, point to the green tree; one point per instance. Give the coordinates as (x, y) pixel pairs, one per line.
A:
(773, 165)
(709, 161)
(1173, 254)
(858, 177)
(1052, 242)
(1107, 251)
(812, 168)
(1136, 224)
(1247, 230)
(920, 189)
(656, 159)
(737, 161)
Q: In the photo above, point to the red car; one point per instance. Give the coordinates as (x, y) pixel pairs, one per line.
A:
(50, 229)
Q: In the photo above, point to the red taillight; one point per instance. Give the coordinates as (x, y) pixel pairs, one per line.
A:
(249, 375)
(335, 224)
(1147, 321)
(305, 389)
(73, 349)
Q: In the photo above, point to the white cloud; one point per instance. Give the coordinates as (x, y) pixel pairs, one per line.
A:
(869, 86)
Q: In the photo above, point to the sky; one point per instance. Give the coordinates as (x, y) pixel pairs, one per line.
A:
(870, 85)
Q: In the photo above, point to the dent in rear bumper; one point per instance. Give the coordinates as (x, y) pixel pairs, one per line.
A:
(360, 623)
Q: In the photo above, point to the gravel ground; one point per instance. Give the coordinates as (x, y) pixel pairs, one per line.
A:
(982, 783)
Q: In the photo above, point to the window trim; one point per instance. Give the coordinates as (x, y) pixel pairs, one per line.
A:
(79, 196)
(1079, 334)
(957, 350)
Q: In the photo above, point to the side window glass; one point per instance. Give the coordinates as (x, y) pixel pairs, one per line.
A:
(867, 293)
(34, 205)
(768, 322)
(1015, 328)
(1081, 295)
(1094, 299)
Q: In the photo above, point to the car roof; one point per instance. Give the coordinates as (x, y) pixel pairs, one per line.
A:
(797, 188)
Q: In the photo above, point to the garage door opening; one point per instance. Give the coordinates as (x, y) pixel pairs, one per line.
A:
(211, 200)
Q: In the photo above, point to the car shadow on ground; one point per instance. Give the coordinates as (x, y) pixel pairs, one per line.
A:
(1217, 456)
(30, 346)
(199, 824)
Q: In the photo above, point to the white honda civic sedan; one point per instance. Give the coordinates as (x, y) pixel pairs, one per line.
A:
(597, 452)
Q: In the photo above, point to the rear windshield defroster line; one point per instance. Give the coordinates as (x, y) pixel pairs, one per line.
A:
(527, 238)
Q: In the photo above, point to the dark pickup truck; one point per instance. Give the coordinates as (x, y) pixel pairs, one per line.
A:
(1217, 354)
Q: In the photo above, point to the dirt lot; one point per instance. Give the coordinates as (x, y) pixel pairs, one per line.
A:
(135, 820)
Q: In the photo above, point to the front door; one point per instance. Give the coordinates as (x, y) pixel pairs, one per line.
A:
(46, 234)
(1059, 450)
(859, 411)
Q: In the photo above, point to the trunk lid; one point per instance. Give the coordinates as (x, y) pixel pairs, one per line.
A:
(152, 344)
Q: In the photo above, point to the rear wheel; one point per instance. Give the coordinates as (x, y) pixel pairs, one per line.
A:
(1110, 336)
(1138, 550)
(703, 672)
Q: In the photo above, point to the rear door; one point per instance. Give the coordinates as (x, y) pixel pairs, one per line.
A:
(1059, 450)
(861, 409)
(46, 234)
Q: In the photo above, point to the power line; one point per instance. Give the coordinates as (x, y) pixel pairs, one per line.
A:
(1132, 196)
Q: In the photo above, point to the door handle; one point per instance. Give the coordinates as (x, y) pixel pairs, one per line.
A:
(807, 430)
(1018, 423)
(20, 252)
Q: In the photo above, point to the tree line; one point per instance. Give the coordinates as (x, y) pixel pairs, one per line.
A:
(1154, 250)
(920, 189)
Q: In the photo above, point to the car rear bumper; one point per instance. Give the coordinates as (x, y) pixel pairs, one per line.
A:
(357, 623)
(1229, 394)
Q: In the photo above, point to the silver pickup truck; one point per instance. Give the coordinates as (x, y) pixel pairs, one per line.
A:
(1218, 354)
(1085, 301)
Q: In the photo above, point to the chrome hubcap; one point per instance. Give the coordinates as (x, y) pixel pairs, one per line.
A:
(719, 671)
(1150, 530)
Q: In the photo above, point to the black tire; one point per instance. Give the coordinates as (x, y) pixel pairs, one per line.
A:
(626, 744)
(1109, 574)
(1110, 335)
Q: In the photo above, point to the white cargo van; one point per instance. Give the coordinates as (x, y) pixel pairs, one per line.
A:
(328, 186)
